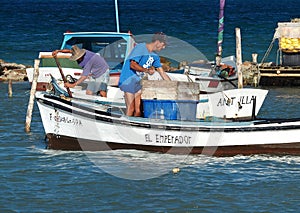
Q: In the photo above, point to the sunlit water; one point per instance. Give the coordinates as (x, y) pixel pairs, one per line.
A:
(34, 179)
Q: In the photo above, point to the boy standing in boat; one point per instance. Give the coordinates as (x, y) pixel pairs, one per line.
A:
(141, 60)
(94, 67)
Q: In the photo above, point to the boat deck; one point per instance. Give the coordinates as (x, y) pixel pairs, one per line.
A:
(280, 76)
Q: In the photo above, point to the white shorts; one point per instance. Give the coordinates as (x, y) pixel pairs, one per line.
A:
(100, 83)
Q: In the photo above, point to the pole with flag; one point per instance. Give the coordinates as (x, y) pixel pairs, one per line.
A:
(220, 32)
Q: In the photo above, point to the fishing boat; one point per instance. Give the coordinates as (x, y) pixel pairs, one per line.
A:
(213, 78)
(238, 104)
(210, 78)
(169, 125)
(113, 46)
(82, 125)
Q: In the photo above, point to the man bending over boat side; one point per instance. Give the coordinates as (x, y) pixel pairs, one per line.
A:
(141, 60)
(94, 67)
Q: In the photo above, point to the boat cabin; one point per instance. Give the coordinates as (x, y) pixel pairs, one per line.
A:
(113, 47)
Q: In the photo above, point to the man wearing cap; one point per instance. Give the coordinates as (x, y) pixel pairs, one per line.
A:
(94, 66)
(141, 60)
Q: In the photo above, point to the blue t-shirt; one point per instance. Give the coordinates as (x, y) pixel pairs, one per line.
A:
(129, 78)
(93, 64)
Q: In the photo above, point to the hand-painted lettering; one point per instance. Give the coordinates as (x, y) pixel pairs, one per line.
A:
(231, 101)
(148, 139)
(247, 99)
(169, 139)
(64, 119)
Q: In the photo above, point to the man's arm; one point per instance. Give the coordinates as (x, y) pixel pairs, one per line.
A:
(135, 66)
(163, 74)
(79, 81)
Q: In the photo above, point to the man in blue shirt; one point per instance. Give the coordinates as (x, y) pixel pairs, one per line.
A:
(141, 60)
(94, 67)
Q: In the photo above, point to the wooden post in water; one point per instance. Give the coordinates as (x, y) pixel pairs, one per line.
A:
(9, 88)
(255, 77)
(254, 58)
(32, 94)
(239, 57)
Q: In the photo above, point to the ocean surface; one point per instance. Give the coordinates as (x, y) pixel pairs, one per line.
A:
(34, 179)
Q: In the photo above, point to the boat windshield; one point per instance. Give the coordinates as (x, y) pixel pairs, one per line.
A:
(112, 49)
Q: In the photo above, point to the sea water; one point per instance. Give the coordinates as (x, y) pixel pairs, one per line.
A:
(34, 179)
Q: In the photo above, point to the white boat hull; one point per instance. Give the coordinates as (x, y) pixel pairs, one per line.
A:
(81, 127)
(230, 104)
(45, 73)
(207, 84)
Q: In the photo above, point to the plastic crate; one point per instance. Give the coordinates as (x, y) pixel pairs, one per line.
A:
(170, 109)
(291, 59)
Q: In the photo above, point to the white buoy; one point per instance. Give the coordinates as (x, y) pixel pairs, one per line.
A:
(176, 170)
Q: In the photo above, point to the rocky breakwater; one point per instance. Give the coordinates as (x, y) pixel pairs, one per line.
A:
(250, 73)
(12, 71)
